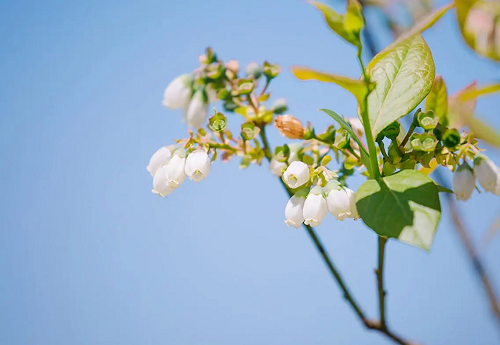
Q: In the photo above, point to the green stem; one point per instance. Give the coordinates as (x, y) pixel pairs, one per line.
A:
(408, 134)
(384, 153)
(375, 171)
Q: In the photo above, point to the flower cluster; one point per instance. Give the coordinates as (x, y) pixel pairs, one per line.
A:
(310, 205)
(485, 171)
(170, 165)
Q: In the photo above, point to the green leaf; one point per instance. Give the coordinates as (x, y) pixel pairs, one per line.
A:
(344, 124)
(355, 86)
(336, 22)
(483, 91)
(354, 20)
(404, 206)
(437, 100)
(423, 24)
(402, 77)
(442, 189)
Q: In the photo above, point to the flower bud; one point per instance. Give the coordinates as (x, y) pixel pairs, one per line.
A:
(289, 126)
(197, 110)
(428, 142)
(315, 207)
(279, 106)
(451, 138)
(271, 70)
(294, 211)
(160, 183)
(159, 158)
(277, 167)
(464, 182)
(296, 175)
(392, 130)
(254, 70)
(427, 120)
(197, 165)
(356, 126)
(339, 204)
(178, 92)
(487, 173)
(175, 169)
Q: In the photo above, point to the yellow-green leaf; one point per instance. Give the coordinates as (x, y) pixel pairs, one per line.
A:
(402, 77)
(336, 22)
(483, 91)
(437, 100)
(354, 20)
(458, 110)
(484, 131)
(355, 86)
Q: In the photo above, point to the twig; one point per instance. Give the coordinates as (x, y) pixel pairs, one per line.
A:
(380, 279)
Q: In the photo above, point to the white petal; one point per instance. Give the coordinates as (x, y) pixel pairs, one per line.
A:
(339, 204)
(175, 171)
(197, 165)
(464, 183)
(160, 184)
(352, 203)
(315, 209)
(487, 174)
(277, 167)
(294, 211)
(296, 175)
(159, 158)
(177, 93)
(196, 112)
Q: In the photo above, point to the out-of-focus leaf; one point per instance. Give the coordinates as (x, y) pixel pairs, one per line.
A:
(355, 86)
(437, 100)
(433, 164)
(484, 131)
(402, 77)
(354, 20)
(336, 22)
(459, 111)
(480, 27)
(483, 91)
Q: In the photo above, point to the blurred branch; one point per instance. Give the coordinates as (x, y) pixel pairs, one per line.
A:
(456, 218)
(375, 325)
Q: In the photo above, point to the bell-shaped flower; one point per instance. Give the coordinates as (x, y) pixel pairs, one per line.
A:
(175, 169)
(314, 207)
(159, 158)
(160, 183)
(487, 173)
(352, 200)
(339, 203)
(197, 109)
(296, 175)
(197, 165)
(294, 211)
(178, 92)
(464, 182)
(277, 167)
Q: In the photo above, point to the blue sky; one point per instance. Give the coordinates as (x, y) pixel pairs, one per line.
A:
(88, 255)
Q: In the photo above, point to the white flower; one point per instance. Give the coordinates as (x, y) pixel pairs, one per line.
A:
(464, 182)
(175, 169)
(352, 200)
(487, 173)
(197, 165)
(211, 94)
(314, 207)
(160, 183)
(197, 110)
(277, 167)
(159, 158)
(294, 211)
(339, 204)
(356, 125)
(296, 175)
(178, 92)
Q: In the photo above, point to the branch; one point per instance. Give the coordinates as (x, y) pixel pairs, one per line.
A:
(368, 323)
(380, 279)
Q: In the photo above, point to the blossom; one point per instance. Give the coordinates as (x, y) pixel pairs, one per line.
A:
(314, 207)
(339, 204)
(175, 169)
(159, 158)
(197, 165)
(197, 110)
(464, 182)
(289, 126)
(487, 173)
(294, 211)
(352, 200)
(178, 92)
(211, 94)
(296, 175)
(277, 167)
(160, 183)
